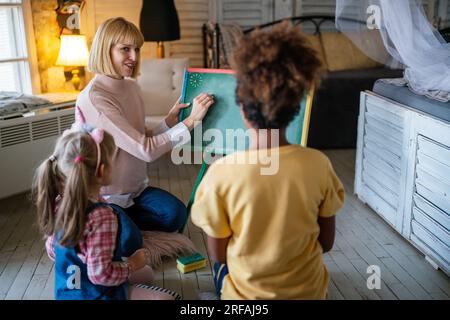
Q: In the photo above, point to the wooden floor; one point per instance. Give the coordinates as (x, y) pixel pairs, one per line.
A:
(362, 239)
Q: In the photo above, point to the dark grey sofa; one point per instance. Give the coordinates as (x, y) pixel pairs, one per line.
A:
(334, 114)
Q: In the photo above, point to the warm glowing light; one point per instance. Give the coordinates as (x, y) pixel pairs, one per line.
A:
(73, 51)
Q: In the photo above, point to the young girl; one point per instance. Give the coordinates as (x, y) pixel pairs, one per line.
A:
(87, 239)
(267, 233)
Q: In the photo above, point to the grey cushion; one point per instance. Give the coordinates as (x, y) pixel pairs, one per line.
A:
(403, 95)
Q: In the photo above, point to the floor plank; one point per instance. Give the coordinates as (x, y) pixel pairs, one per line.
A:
(342, 282)
(358, 282)
(26, 272)
(48, 292)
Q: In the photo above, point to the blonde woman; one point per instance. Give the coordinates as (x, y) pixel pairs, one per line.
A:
(112, 101)
(86, 238)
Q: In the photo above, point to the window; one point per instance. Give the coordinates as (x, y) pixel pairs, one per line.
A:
(14, 59)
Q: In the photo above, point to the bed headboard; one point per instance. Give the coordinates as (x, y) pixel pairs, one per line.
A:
(314, 24)
(213, 44)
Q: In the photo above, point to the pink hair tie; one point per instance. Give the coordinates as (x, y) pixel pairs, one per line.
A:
(78, 159)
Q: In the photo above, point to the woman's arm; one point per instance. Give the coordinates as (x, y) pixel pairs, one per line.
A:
(160, 128)
(217, 249)
(148, 148)
(327, 230)
(131, 140)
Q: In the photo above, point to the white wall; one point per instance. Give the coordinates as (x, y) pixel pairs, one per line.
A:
(193, 13)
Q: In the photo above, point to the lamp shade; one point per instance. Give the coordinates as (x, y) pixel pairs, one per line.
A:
(159, 20)
(73, 51)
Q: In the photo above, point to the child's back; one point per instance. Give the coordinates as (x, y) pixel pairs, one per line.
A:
(273, 252)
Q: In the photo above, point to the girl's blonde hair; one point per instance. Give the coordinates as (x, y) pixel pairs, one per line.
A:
(63, 174)
(110, 33)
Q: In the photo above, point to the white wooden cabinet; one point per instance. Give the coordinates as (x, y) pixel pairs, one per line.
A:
(403, 173)
(382, 155)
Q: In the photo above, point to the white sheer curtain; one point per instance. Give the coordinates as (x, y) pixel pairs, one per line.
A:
(407, 36)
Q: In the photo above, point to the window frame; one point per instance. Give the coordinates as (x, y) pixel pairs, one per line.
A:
(25, 47)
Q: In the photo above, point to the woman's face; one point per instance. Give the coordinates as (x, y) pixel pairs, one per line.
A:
(124, 58)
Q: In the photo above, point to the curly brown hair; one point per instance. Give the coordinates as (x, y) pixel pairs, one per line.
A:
(274, 69)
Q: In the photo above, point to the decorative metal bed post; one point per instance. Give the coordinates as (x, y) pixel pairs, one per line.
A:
(216, 55)
(205, 45)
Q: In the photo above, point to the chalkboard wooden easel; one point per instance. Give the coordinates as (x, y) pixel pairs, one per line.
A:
(225, 113)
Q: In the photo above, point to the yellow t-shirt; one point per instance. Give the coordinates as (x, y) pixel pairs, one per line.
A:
(273, 252)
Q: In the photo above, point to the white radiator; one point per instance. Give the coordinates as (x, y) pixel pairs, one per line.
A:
(24, 143)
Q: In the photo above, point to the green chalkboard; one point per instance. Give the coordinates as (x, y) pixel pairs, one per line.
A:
(224, 114)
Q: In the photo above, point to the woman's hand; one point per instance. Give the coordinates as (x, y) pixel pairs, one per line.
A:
(139, 259)
(199, 109)
(172, 117)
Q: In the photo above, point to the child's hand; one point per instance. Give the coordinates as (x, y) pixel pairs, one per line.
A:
(139, 259)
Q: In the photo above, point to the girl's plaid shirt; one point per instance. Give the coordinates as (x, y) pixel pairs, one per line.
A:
(96, 249)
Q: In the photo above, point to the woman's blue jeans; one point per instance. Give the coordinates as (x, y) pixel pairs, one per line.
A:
(157, 210)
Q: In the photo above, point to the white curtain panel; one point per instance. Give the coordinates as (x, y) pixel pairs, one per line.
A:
(407, 36)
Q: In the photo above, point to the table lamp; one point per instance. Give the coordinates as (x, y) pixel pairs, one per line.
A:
(73, 53)
(159, 22)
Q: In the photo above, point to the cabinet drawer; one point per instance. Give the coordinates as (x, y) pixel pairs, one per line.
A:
(388, 168)
(434, 167)
(383, 141)
(433, 189)
(431, 226)
(432, 176)
(372, 181)
(383, 177)
(432, 211)
(434, 150)
(386, 110)
(433, 243)
(383, 130)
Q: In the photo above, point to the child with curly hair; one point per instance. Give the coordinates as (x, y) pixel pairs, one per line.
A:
(267, 233)
(97, 249)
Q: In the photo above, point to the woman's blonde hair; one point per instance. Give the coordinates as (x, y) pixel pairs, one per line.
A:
(110, 33)
(72, 178)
